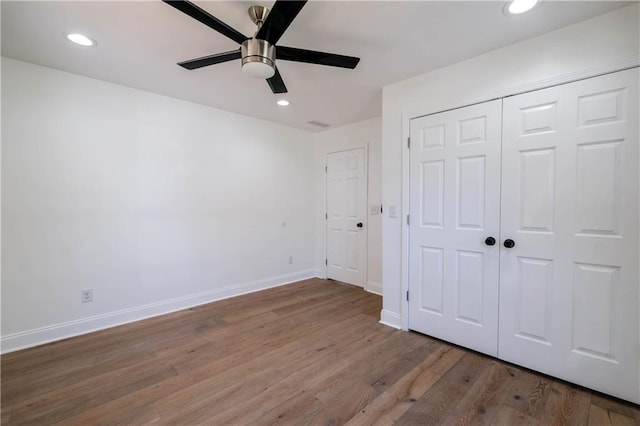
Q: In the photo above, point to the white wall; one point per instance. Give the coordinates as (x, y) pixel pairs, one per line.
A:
(365, 134)
(598, 45)
(155, 203)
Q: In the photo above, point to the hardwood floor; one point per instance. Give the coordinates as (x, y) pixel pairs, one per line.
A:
(312, 352)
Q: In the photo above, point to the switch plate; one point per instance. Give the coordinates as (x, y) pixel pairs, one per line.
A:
(392, 212)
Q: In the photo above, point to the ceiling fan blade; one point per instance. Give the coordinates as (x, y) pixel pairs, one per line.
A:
(205, 61)
(313, 57)
(206, 18)
(276, 83)
(278, 20)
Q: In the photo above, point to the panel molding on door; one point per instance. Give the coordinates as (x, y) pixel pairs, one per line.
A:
(346, 214)
(454, 207)
(569, 287)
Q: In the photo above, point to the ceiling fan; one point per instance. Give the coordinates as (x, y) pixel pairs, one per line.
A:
(259, 52)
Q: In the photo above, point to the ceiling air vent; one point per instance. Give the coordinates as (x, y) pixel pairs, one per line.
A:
(319, 124)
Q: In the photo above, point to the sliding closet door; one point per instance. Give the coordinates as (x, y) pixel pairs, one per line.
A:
(454, 209)
(569, 285)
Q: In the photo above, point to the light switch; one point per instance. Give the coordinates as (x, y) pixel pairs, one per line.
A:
(392, 212)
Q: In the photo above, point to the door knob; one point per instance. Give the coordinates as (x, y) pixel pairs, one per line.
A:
(509, 243)
(490, 241)
(359, 225)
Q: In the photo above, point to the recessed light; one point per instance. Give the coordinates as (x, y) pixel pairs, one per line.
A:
(80, 39)
(517, 7)
(283, 102)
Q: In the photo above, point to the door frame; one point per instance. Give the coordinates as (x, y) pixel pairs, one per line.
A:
(366, 210)
(493, 94)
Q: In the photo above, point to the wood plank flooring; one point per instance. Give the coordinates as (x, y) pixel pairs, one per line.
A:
(311, 352)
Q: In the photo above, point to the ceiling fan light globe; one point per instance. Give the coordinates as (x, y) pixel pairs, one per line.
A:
(258, 70)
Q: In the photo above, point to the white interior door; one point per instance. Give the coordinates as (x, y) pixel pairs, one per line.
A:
(346, 214)
(569, 286)
(454, 208)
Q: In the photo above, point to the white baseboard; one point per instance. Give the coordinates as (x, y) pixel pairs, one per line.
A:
(52, 333)
(391, 319)
(374, 287)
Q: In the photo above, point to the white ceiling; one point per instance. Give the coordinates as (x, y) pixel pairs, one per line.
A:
(139, 44)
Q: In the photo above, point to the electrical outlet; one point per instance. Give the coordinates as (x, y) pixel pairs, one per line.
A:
(86, 295)
(290, 260)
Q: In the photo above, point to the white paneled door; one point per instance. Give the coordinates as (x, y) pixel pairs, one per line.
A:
(569, 286)
(454, 213)
(565, 216)
(346, 214)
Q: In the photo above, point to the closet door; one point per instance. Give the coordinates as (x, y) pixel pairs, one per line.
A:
(454, 208)
(569, 285)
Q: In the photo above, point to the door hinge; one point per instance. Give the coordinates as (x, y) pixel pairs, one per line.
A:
(325, 262)
(380, 208)
(407, 220)
(407, 295)
(326, 216)
(325, 169)
(409, 143)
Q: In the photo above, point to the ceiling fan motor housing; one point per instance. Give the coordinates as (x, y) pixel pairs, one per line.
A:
(255, 50)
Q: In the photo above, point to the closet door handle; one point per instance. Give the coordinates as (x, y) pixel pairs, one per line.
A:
(509, 243)
(359, 225)
(490, 241)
